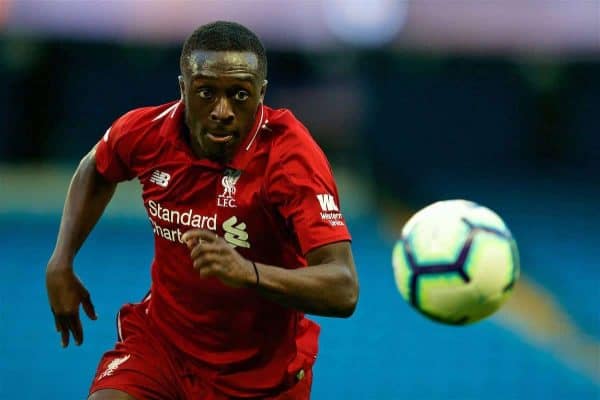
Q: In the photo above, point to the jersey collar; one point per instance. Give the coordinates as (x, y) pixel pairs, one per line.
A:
(173, 129)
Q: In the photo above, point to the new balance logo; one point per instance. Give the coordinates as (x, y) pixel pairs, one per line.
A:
(327, 202)
(160, 178)
(236, 235)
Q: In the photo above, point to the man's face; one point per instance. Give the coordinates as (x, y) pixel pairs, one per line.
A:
(221, 91)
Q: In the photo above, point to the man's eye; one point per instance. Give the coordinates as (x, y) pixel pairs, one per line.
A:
(242, 95)
(204, 93)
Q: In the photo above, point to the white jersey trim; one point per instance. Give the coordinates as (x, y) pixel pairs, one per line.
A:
(171, 110)
(119, 333)
(260, 126)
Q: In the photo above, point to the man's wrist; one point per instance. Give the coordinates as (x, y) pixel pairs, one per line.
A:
(61, 261)
(255, 280)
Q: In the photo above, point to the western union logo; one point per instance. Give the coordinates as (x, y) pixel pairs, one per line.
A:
(327, 202)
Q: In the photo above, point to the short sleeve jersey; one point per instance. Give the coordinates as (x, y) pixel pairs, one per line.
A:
(274, 201)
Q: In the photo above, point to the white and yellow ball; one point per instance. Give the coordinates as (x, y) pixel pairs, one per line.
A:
(456, 262)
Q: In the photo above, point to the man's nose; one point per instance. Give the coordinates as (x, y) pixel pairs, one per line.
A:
(222, 112)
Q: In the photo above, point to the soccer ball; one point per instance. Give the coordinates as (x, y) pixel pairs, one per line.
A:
(456, 262)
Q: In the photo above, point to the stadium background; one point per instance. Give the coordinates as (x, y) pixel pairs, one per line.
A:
(413, 101)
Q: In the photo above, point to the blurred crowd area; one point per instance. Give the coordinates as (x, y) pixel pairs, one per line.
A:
(406, 93)
(399, 118)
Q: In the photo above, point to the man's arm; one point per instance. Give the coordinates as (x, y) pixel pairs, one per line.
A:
(328, 286)
(87, 197)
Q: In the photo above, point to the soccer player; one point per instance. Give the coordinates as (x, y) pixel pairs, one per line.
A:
(248, 237)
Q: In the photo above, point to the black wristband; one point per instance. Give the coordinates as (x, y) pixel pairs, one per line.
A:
(256, 272)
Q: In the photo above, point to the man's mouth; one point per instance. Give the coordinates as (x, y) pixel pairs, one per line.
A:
(219, 137)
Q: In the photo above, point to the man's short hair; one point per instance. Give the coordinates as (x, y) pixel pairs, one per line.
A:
(224, 36)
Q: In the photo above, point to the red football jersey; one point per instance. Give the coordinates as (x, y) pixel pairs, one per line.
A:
(275, 201)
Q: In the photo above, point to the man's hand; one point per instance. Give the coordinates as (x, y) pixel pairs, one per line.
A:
(65, 294)
(213, 256)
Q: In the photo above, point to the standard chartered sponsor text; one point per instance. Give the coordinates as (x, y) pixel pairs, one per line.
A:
(184, 218)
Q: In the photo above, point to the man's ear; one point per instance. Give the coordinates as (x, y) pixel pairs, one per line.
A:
(181, 86)
(263, 90)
